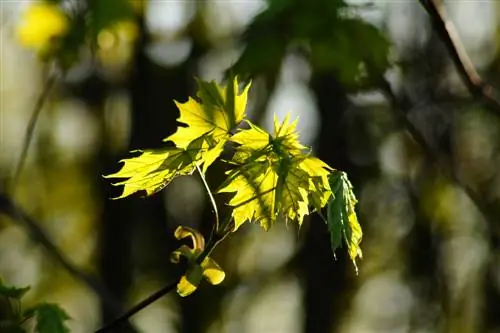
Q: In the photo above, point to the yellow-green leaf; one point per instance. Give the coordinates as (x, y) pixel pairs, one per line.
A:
(208, 268)
(216, 112)
(212, 271)
(274, 176)
(342, 219)
(154, 169)
(190, 281)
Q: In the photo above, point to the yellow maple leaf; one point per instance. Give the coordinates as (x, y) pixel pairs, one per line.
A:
(216, 112)
(40, 25)
(274, 176)
(154, 169)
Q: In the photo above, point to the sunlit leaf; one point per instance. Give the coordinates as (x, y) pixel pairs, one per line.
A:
(208, 268)
(342, 219)
(154, 169)
(274, 176)
(216, 112)
(50, 318)
(212, 271)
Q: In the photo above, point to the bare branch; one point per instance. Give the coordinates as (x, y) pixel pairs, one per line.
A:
(446, 31)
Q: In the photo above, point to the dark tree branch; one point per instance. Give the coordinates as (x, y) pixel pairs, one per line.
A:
(9, 208)
(446, 31)
(30, 130)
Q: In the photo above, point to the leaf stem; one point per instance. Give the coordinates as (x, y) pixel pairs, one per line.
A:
(210, 195)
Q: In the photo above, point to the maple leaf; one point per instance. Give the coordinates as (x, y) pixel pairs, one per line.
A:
(216, 112)
(50, 318)
(154, 169)
(342, 219)
(273, 175)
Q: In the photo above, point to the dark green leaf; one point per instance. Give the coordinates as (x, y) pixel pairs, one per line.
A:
(342, 220)
(12, 292)
(50, 318)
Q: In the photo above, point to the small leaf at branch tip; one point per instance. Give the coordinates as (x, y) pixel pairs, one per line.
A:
(208, 268)
(342, 219)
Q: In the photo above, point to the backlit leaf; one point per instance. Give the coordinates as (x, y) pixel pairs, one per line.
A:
(154, 169)
(195, 273)
(274, 176)
(342, 219)
(216, 112)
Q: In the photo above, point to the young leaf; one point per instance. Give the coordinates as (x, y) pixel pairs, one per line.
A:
(274, 176)
(50, 318)
(342, 219)
(208, 268)
(154, 169)
(213, 116)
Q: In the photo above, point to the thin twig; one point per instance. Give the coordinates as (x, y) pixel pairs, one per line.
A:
(42, 99)
(210, 195)
(9, 208)
(123, 319)
(116, 323)
(447, 32)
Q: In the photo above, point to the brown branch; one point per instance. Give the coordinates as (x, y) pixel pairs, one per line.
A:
(446, 31)
(9, 208)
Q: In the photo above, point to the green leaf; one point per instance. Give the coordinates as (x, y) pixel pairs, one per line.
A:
(355, 50)
(50, 318)
(342, 219)
(12, 292)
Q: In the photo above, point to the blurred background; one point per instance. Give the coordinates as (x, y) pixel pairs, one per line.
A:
(377, 96)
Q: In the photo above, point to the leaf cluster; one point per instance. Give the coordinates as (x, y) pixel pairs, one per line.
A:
(271, 175)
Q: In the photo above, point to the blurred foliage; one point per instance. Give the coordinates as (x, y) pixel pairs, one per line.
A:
(49, 318)
(432, 255)
(335, 41)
